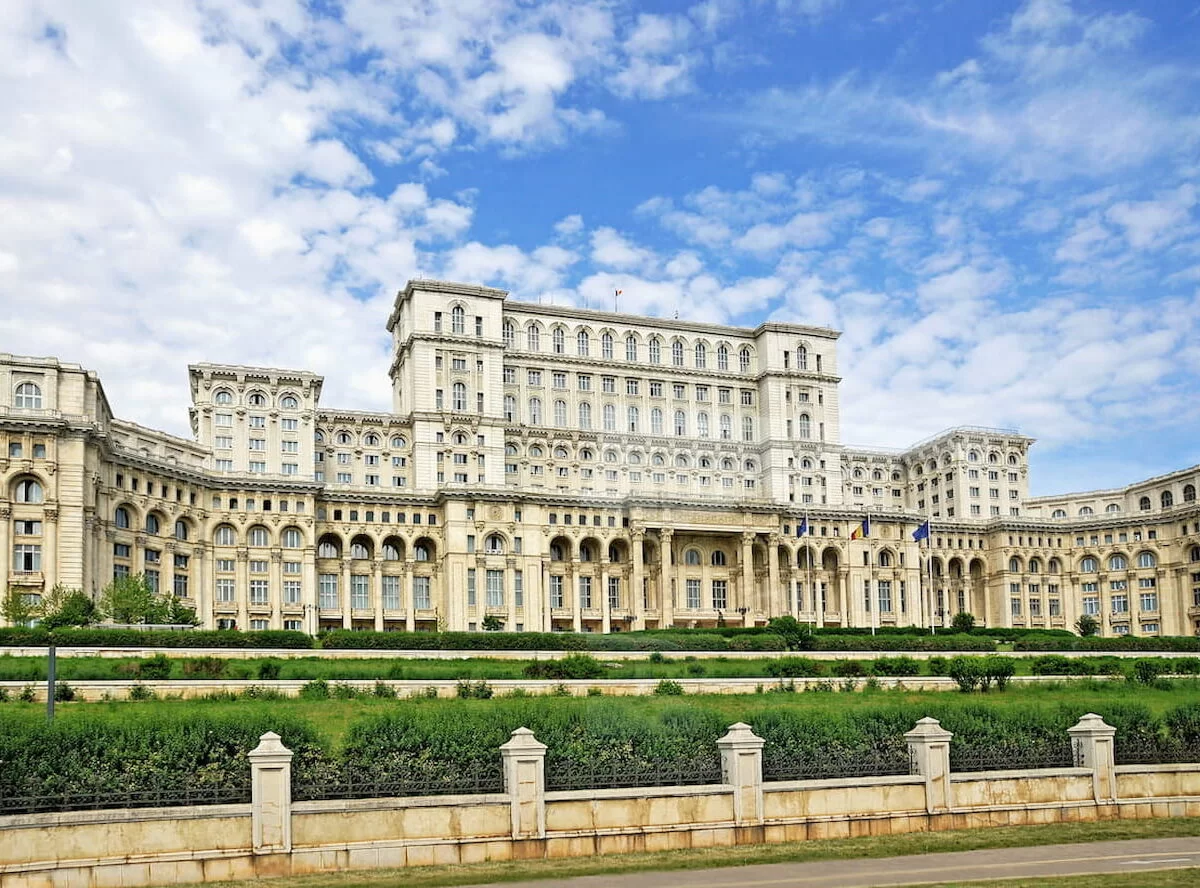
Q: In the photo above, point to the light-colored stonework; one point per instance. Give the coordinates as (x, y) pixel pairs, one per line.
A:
(276, 836)
(561, 468)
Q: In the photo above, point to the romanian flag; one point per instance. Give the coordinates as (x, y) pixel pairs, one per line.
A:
(863, 530)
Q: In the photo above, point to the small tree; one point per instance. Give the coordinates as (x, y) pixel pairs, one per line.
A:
(492, 623)
(796, 635)
(963, 622)
(63, 606)
(128, 599)
(18, 608)
(1087, 625)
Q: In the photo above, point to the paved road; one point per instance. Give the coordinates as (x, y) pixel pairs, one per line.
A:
(1141, 855)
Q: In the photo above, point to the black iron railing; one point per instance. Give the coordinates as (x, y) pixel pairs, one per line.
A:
(565, 774)
(92, 798)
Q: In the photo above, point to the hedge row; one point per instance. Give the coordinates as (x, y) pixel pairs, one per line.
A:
(1179, 643)
(191, 638)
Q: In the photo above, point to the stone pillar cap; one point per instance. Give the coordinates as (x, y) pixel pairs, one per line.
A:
(270, 746)
(1092, 724)
(928, 728)
(740, 734)
(522, 740)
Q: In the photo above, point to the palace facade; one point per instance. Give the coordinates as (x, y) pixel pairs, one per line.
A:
(566, 469)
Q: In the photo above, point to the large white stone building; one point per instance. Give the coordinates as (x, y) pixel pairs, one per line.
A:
(566, 469)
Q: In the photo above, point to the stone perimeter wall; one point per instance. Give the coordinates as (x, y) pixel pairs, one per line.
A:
(273, 836)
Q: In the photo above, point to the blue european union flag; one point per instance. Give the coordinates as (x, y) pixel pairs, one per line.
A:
(921, 533)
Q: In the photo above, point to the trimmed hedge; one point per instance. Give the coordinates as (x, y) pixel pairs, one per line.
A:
(902, 643)
(190, 638)
(1093, 643)
(346, 639)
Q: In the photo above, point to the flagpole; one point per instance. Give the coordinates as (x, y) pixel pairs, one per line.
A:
(808, 554)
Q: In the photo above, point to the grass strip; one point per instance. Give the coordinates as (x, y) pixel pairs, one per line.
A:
(792, 852)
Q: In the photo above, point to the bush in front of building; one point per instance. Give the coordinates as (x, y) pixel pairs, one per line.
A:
(346, 639)
(99, 636)
(1043, 642)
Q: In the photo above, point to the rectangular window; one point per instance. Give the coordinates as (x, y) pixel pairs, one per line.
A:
(224, 589)
(289, 425)
(360, 591)
(223, 442)
(614, 593)
(291, 591)
(327, 591)
(1015, 604)
(121, 550)
(258, 567)
(518, 588)
(1091, 605)
(885, 596)
(470, 587)
(258, 467)
(720, 594)
(1120, 604)
(1149, 601)
(224, 420)
(289, 446)
(260, 592)
(495, 588)
(693, 594)
(152, 580)
(556, 591)
(585, 592)
(391, 592)
(421, 600)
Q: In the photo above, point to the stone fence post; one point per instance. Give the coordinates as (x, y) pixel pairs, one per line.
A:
(1092, 742)
(742, 766)
(929, 752)
(271, 795)
(524, 760)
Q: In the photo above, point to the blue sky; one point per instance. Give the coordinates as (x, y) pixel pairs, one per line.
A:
(996, 202)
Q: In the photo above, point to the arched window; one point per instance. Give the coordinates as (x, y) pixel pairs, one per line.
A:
(257, 399)
(534, 335)
(718, 558)
(459, 396)
(258, 536)
(494, 544)
(535, 411)
(1085, 511)
(655, 350)
(359, 551)
(421, 552)
(585, 415)
(398, 443)
(658, 460)
(460, 438)
(680, 423)
(692, 557)
(556, 552)
(391, 551)
(153, 526)
(631, 348)
(747, 428)
(677, 353)
(291, 538)
(510, 408)
(1112, 507)
(289, 402)
(750, 465)
(329, 548)
(1189, 493)
(1059, 513)
(1089, 565)
(181, 530)
(606, 346)
(885, 559)
(1117, 562)
(121, 518)
(726, 427)
(1147, 559)
(560, 413)
(535, 451)
(344, 438)
(722, 357)
(1012, 459)
(558, 341)
(702, 424)
(801, 358)
(458, 319)
(610, 456)
(1014, 565)
(804, 425)
(610, 418)
(1144, 504)
(586, 553)
(1035, 566)
(635, 459)
(656, 421)
(319, 436)
(632, 416)
(701, 355)
(225, 535)
(1054, 566)
(223, 398)
(744, 360)
(511, 449)
(1167, 499)
(510, 334)
(993, 459)
(972, 456)
(681, 461)
(583, 343)
(727, 464)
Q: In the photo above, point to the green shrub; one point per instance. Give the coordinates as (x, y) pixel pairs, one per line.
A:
(849, 668)
(938, 665)
(28, 694)
(696, 670)
(139, 692)
(962, 622)
(657, 657)
(1146, 671)
(668, 688)
(479, 690)
(794, 667)
(316, 690)
(63, 692)
(967, 672)
(203, 667)
(998, 671)
(268, 670)
(796, 635)
(1053, 664)
(343, 691)
(156, 668)
(383, 691)
(595, 692)
(572, 666)
(895, 666)
(188, 638)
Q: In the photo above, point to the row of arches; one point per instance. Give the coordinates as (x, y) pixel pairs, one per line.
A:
(994, 458)
(1166, 500)
(345, 438)
(155, 523)
(362, 548)
(699, 354)
(227, 397)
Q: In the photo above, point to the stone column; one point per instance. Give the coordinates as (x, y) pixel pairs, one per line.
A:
(524, 759)
(773, 602)
(1092, 741)
(637, 556)
(407, 595)
(377, 591)
(929, 751)
(271, 795)
(202, 593)
(50, 571)
(741, 766)
(605, 610)
(747, 595)
(572, 581)
(5, 517)
(344, 599)
(843, 583)
(309, 592)
(510, 592)
(276, 581)
(241, 589)
(666, 579)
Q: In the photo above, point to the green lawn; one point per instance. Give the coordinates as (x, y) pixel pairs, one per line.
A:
(835, 849)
